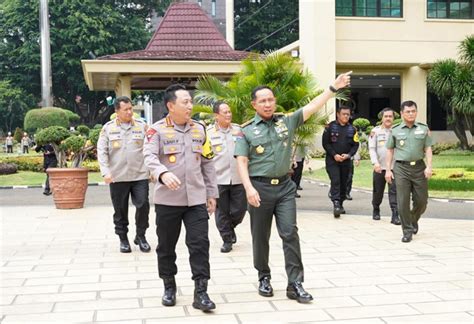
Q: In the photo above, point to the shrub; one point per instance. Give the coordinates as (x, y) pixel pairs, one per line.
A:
(364, 153)
(66, 146)
(72, 117)
(25, 162)
(97, 126)
(440, 147)
(7, 168)
(18, 134)
(317, 154)
(45, 117)
(83, 130)
(361, 124)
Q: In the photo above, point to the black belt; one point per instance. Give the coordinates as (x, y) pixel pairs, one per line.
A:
(273, 181)
(409, 162)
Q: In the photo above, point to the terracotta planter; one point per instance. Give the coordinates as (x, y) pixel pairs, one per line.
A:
(69, 186)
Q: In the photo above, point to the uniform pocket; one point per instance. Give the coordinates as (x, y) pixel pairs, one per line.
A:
(172, 149)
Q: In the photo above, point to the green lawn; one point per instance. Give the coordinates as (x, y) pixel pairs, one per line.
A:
(27, 178)
(363, 175)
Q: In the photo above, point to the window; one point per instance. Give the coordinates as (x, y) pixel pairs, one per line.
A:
(370, 8)
(213, 8)
(451, 9)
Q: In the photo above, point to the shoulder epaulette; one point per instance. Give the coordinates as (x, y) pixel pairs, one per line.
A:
(248, 122)
(422, 124)
(396, 125)
(109, 122)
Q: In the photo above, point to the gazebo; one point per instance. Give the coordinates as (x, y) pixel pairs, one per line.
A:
(185, 45)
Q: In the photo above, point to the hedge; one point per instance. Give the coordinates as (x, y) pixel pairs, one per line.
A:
(44, 117)
(25, 163)
(452, 179)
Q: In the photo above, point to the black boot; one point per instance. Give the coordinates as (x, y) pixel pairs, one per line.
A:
(227, 246)
(124, 244)
(376, 213)
(201, 298)
(395, 219)
(142, 243)
(296, 291)
(337, 208)
(234, 237)
(169, 296)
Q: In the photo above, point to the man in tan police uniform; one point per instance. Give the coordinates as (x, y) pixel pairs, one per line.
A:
(178, 155)
(119, 151)
(232, 202)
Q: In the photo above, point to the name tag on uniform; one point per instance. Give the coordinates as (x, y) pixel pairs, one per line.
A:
(418, 132)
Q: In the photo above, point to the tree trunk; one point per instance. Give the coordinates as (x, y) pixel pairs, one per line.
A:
(460, 130)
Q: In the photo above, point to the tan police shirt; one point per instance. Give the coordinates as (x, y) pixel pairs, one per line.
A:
(377, 145)
(171, 148)
(119, 150)
(223, 145)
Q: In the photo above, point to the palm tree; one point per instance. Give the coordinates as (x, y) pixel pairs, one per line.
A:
(453, 82)
(292, 87)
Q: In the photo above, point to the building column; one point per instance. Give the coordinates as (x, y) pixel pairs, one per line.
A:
(123, 87)
(413, 87)
(229, 22)
(318, 42)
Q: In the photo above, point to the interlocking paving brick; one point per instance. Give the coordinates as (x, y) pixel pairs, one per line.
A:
(371, 311)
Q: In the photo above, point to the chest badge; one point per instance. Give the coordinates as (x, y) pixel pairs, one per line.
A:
(218, 148)
(260, 149)
(402, 142)
(172, 158)
(116, 144)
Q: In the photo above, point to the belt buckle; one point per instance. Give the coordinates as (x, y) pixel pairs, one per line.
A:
(412, 163)
(275, 181)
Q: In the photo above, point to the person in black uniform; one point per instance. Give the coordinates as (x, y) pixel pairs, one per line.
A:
(340, 141)
(49, 161)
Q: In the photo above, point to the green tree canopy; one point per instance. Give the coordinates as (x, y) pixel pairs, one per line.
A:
(14, 102)
(453, 82)
(265, 24)
(77, 27)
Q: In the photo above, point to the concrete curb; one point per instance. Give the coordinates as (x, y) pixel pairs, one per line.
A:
(444, 200)
(42, 186)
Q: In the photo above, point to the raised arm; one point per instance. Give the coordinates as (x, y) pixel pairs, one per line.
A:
(343, 80)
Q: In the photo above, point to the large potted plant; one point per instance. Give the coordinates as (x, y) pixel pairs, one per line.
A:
(69, 180)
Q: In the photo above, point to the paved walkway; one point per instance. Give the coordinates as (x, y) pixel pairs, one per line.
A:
(64, 266)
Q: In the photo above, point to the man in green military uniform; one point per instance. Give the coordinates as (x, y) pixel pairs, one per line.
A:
(409, 143)
(263, 152)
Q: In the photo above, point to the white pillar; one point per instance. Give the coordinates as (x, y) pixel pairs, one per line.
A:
(413, 87)
(124, 86)
(229, 22)
(46, 79)
(318, 41)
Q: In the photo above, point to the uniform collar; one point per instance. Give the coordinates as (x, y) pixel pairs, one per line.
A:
(259, 119)
(170, 123)
(118, 122)
(403, 125)
(223, 130)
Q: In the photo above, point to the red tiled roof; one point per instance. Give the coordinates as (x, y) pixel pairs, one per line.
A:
(185, 33)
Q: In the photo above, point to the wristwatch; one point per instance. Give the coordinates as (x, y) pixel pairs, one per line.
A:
(332, 89)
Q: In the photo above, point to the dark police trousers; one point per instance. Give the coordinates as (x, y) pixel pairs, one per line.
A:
(338, 173)
(231, 209)
(278, 200)
(119, 192)
(378, 188)
(168, 228)
(350, 177)
(298, 173)
(410, 179)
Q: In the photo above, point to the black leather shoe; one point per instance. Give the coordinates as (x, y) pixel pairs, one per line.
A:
(415, 228)
(47, 192)
(395, 219)
(407, 238)
(169, 296)
(348, 197)
(376, 214)
(124, 244)
(299, 188)
(296, 291)
(337, 211)
(265, 288)
(142, 243)
(233, 237)
(226, 247)
(201, 298)
(297, 195)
